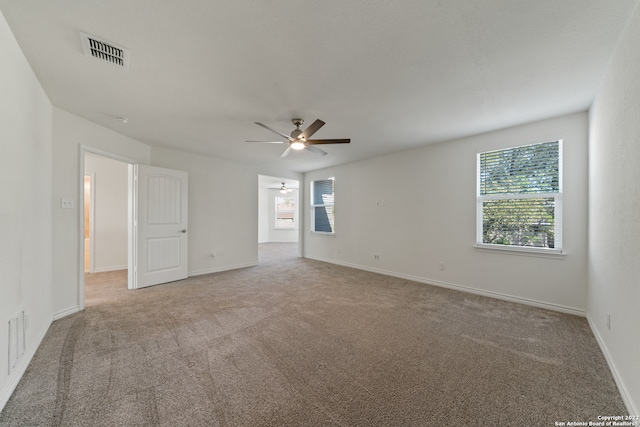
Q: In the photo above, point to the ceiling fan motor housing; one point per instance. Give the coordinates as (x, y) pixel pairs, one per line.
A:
(297, 131)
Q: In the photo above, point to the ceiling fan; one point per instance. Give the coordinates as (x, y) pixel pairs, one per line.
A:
(299, 139)
(284, 189)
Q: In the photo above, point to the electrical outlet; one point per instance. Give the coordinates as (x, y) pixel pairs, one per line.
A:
(66, 203)
(376, 257)
(441, 265)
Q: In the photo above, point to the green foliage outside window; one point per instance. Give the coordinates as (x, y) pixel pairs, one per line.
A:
(520, 222)
(518, 188)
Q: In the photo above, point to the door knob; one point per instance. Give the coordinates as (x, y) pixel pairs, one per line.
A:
(184, 230)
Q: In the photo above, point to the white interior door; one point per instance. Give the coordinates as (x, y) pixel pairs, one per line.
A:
(158, 217)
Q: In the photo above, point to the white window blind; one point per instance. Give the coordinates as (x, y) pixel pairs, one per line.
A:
(322, 206)
(520, 197)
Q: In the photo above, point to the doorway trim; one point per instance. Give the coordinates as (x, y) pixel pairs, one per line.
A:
(82, 150)
(299, 207)
(92, 207)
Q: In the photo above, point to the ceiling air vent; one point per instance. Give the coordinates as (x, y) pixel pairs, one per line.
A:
(104, 50)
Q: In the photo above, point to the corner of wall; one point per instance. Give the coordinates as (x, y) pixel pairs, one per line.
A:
(25, 360)
(613, 268)
(617, 377)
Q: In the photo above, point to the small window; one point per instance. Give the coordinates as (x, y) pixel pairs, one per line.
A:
(520, 197)
(285, 212)
(322, 206)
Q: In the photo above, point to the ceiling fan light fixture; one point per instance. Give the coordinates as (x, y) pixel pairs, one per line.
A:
(283, 189)
(297, 145)
(299, 139)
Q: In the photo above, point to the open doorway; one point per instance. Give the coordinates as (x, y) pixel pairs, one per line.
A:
(278, 213)
(138, 221)
(105, 215)
(86, 223)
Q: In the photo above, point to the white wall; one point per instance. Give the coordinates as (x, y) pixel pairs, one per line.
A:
(263, 214)
(223, 216)
(429, 216)
(69, 133)
(25, 204)
(110, 191)
(614, 220)
(223, 209)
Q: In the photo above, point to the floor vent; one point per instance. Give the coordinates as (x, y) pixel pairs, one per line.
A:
(104, 50)
(17, 340)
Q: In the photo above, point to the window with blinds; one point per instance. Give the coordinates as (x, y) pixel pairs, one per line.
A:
(322, 206)
(520, 197)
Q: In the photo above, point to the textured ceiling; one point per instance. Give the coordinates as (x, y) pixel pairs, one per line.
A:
(390, 75)
(274, 182)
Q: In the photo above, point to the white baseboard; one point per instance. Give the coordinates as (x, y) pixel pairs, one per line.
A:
(454, 286)
(106, 269)
(65, 313)
(219, 269)
(624, 393)
(18, 372)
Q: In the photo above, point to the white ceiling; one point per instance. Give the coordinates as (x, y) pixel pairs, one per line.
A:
(274, 182)
(390, 75)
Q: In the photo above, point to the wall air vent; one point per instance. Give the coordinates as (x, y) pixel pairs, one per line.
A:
(17, 340)
(104, 50)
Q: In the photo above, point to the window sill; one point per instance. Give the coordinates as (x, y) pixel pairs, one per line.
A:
(520, 250)
(323, 233)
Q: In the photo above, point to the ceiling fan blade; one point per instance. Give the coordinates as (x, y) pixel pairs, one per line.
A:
(286, 152)
(328, 141)
(315, 150)
(313, 128)
(285, 136)
(266, 142)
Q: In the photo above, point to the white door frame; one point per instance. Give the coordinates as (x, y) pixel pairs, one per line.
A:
(83, 149)
(299, 206)
(92, 212)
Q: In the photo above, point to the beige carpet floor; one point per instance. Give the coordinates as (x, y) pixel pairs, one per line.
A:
(296, 342)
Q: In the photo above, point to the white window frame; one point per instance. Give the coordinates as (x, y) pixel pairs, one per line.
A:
(294, 225)
(325, 204)
(558, 245)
